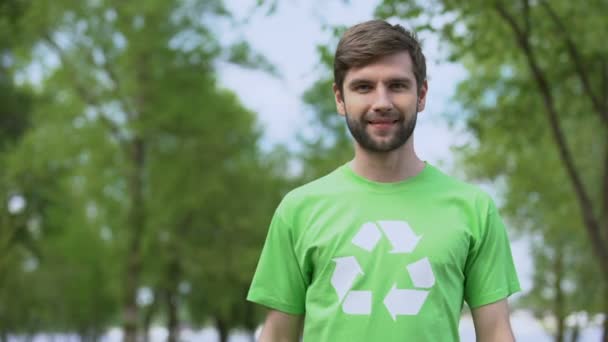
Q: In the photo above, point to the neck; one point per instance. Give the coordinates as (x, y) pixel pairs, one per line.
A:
(393, 166)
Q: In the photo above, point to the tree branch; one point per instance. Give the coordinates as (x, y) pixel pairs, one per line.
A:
(527, 25)
(8, 240)
(604, 206)
(592, 224)
(88, 97)
(519, 33)
(129, 108)
(600, 108)
(118, 88)
(605, 81)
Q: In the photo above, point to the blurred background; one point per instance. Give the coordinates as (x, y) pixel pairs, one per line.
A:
(145, 145)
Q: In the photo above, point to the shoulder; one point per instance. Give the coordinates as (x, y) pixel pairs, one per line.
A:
(453, 183)
(316, 189)
(304, 200)
(471, 196)
(479, 207)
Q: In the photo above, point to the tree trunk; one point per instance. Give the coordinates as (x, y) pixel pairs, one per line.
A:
(605, 213)
(222, 329)
(136, 220)
(88, 335)
(172, 320)
(148, 316)
(591, 222)
(574, 333)
(250, 323)
(82, 336)
(171, 298)
(605, 337)
(173, 275)
(558, 271)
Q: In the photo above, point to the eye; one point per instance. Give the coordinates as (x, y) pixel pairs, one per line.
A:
(363, 88)
(399, 86)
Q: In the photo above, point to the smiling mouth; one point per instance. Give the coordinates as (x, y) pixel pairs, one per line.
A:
(383, 123)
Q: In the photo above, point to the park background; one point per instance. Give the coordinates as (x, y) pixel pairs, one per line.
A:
(145, 145)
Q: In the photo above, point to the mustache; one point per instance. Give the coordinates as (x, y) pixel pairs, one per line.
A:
(392, 115)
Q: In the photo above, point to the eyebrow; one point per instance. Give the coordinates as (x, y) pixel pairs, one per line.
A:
(358, 81)
(405, 80)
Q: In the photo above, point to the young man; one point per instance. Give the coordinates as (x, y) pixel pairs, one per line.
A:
(386, 247)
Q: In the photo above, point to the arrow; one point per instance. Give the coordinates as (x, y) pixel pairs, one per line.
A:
(367, 237)
(404, 302)
(347, 269)
(400, 235)
(358, 303)
(421, 273)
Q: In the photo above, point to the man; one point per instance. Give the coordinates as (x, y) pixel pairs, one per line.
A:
(386, 247)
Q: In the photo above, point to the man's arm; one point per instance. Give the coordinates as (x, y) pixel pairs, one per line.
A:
(282, 327)
(492, 322)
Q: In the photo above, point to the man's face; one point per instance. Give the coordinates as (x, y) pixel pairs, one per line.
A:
(380, 102)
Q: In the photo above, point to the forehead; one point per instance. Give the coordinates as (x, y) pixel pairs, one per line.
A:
(398, 65)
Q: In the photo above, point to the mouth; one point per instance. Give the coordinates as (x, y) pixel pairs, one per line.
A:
(382, 123)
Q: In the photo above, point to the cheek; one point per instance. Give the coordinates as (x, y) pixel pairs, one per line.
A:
(407, 105)
(356, 104)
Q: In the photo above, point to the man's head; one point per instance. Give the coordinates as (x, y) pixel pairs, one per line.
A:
(380, 84)
(368, 41)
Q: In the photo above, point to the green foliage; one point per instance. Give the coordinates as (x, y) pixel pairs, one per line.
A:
(190, 212)
(240, 53)
(507, 48)
(13, 113)
(330, 145)
(60, 276)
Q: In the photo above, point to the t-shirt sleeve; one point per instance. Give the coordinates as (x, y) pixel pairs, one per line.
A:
(278, 282)
(490, 273)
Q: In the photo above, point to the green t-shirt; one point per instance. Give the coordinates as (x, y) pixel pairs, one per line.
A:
(370, 261)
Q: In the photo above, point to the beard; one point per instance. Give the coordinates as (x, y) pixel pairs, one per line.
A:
(402, 133)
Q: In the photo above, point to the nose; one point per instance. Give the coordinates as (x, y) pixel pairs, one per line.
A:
(382, 100)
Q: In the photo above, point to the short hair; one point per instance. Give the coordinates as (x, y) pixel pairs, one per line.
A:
(365, 42)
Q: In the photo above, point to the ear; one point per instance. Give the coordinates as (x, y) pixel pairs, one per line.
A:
(422, 95)
(338, 96)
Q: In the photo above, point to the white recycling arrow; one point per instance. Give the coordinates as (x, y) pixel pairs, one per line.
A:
(367, 237)
(404, 302)
(421, 273)
(401, 236)
(347, 269)
(358, 303)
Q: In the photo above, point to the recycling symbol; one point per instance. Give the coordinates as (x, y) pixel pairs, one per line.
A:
(397, 301)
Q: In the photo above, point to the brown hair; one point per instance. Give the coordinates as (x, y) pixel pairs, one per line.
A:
(370, 40)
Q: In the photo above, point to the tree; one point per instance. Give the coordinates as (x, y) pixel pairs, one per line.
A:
(209, 205)
(137, 84)
(15, 240)
(330, 144)
(68, 265)
(15, 106)
(524, 51)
